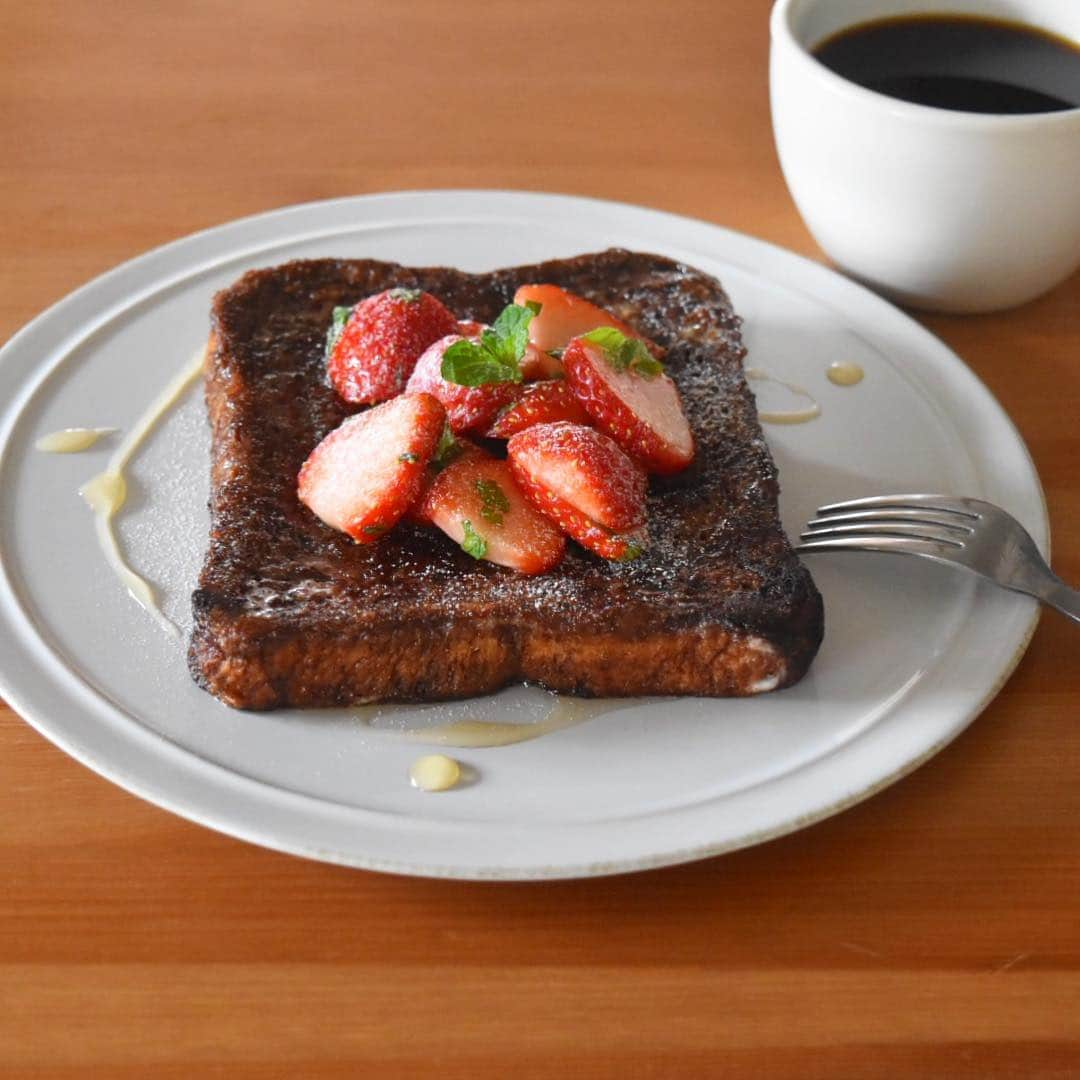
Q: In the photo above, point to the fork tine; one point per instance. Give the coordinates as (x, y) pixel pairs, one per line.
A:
(945, 503)
(886, 517)
(903, 545)
(903, 529)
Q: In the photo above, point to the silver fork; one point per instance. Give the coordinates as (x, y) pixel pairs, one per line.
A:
(963, 532)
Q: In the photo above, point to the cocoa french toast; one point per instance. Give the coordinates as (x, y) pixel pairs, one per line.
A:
(291, 612)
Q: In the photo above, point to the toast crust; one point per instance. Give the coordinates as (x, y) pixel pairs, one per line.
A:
(289, 612)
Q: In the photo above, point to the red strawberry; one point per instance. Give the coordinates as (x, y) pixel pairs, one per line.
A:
(468, 408)
(449, 451)
(583, 468)
(475, 502)
(537, 364)
(640, 409)
(619, 547)
(540, 403)
(583, 482)
(564, 315)
(379, 345)
(364, 475)
(470, 328)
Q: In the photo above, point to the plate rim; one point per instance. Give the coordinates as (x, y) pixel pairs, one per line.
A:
(669, 856)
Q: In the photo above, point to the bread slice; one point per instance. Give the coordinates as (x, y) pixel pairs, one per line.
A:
(290, 612)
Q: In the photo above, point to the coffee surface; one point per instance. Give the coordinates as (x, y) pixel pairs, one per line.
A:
(963, 63)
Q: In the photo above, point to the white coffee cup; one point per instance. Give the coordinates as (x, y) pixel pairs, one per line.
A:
(944, 210)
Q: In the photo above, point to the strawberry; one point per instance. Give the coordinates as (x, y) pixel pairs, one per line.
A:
(449, 450)
(583, 482)
(564, 315)
(470, 328)
(370, 357)
(540, 403)
(583, 468)
(365, 474)
(618, 547)
(625, 391)
(537, 364)
(468, 408)
(475, 502)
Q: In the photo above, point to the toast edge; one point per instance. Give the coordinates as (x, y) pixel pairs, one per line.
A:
(254, 667)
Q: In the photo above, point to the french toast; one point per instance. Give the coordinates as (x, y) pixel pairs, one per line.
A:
(289, 612)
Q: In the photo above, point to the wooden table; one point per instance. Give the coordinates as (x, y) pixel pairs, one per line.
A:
(932, 931)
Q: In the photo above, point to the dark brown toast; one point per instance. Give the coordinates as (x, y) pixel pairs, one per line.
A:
(290, 612)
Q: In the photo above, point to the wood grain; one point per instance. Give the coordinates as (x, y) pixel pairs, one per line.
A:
(932, 931)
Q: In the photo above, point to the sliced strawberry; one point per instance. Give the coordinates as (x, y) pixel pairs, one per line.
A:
(381, 341)
(565, 315)
(641, 412)
(540, 403)
(537, 364)
(468, 408)
(585, 469)
(449, 450)
(364, 475)
(476, 503)
(608, 544)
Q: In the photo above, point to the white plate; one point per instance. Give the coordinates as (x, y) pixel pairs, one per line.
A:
(912, 651)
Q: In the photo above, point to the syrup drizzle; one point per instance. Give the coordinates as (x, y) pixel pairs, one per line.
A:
(72, 440)
(106, 492)
(794, 416)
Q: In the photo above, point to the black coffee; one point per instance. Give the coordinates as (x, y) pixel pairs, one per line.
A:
(959, 62)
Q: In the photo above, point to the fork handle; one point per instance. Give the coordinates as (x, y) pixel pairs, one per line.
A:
(1037, 579)
(1058, 595)
(1034, 577)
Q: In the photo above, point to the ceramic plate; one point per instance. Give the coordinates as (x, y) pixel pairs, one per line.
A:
(912, 651)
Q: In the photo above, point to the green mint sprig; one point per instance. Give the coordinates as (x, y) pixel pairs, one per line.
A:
(496, 357)
(624, 353)
(473, 544)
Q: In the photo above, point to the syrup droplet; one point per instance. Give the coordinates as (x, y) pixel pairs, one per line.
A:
(434, 772)
(844, 373)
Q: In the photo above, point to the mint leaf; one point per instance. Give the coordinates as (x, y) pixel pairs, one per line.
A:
(642, 361)
(408, 458)
(470, 364)
(633, 550)
(607, 337)
(337, 327)
(624, 353)
(493, 501)
(473, 544)
(496, 357)
(513, 325)
(448, 450)
(374, 530)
